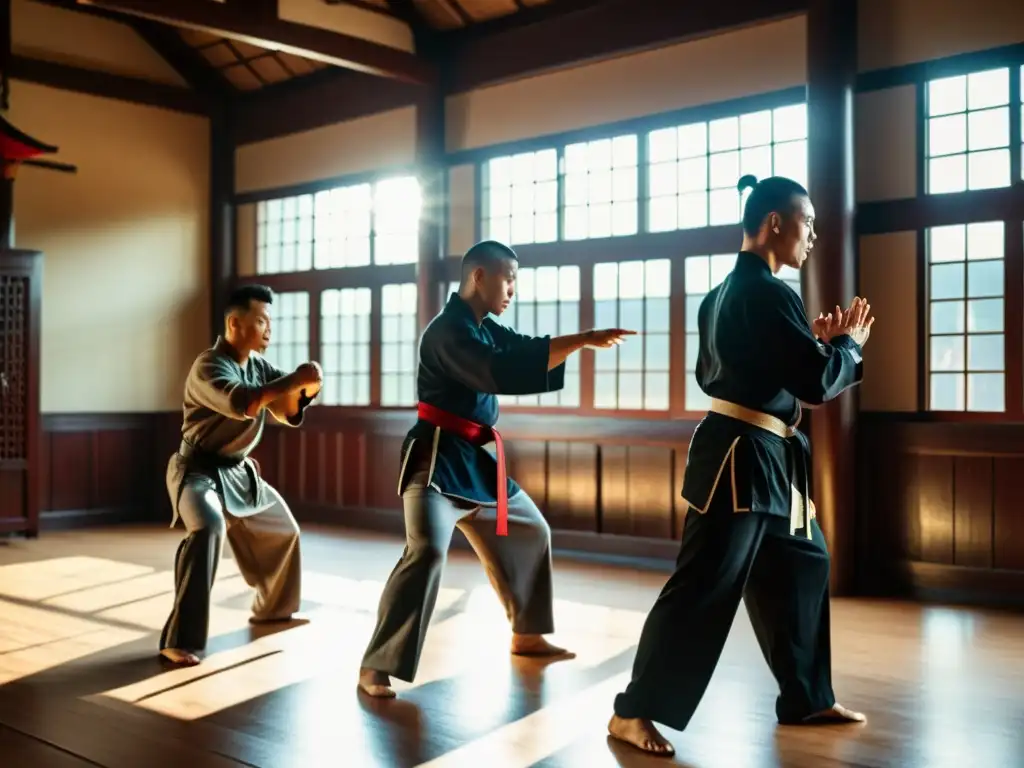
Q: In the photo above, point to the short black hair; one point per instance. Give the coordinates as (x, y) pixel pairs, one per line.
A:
(241, 298)
(487, 254)
(772, 194)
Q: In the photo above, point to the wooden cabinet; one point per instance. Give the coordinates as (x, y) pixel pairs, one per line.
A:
(20, 310)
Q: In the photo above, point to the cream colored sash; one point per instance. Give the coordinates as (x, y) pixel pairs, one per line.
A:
(779, 428)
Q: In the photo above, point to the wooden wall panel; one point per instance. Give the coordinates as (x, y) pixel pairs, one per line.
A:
(103, 468)
(940, 505)
(934, 513)
(614, 490)
(1008, 513)
(972, 511)
(940, 509)
(572, 490)
(650, 491)
(528, 466)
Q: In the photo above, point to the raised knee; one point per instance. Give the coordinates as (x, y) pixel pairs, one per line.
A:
(210, 522)
(214, 525)
(539, 532)
(427, 554)
(200, 508)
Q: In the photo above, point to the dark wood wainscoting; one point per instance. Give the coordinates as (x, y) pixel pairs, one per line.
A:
(940, 507)
(99, 468)
(606, 486)
(941, 512)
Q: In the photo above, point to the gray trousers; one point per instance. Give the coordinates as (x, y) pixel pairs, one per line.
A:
(518, 566)
(265, 546)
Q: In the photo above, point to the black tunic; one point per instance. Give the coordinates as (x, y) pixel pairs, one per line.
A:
(757, 350)
(463, 366)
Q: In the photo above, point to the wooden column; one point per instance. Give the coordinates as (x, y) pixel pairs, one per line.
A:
(433, 174)
(831, 274)
(222, 215)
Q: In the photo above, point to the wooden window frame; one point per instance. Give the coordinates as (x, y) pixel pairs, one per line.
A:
(316, 281)
(1003, 204)
(917, 213)
(674, 245)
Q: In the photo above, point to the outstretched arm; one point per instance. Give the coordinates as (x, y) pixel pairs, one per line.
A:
(563, 346)
(513, 365)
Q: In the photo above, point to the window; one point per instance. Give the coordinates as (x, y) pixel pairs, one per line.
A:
(693, 169)
(396, 221)
(968, 143)
(289, 326)
(547, 302)
(965, 317)
(343, 224)
(345, 341)
(398, 345)
(520, 198)
(284, 235)
(702, 274)
(348, 226)
(633, 295)
(601, 188)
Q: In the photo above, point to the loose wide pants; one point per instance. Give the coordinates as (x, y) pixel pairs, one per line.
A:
(782, 578)
(265, 546)
(518, 566)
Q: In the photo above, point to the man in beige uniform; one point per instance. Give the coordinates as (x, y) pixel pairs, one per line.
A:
(216, 489)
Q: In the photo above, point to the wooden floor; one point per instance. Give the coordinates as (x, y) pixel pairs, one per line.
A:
(80, 684)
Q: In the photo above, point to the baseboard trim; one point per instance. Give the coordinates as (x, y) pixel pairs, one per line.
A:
(961, 585)
(70, 519)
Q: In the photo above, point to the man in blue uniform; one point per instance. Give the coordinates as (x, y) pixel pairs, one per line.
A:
(448, 480)
(750, 531)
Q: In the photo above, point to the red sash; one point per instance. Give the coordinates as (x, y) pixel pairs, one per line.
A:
(478, 434)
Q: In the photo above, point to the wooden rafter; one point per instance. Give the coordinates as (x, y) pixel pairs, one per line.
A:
(236, 22)
(571, 32)
(186, 61)
(366, 6)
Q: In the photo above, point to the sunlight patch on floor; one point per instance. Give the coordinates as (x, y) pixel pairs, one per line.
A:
(33, 640)
(540, 734)
(42, 579)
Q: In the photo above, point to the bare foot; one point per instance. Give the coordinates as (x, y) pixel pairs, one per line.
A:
(294, 618)
(376, 684)
(180, 657)
(536, 645)
(836, 714)
(641, 734)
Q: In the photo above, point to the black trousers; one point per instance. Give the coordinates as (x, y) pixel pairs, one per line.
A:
(782, 578)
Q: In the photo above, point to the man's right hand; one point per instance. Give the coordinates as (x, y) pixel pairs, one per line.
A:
(607, 338)
(855, 322)
(309, 375)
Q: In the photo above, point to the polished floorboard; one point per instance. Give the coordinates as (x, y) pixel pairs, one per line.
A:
(80, 684)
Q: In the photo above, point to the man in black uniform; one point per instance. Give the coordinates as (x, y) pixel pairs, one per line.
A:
(448, 479)
(750, 531)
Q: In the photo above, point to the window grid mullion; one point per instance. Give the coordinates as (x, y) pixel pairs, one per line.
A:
(1016, 137)
(1013, 354)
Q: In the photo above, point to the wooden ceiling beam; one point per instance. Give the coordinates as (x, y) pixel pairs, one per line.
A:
(366, 6)
(186, 61)
(97, 83)
(573, 32)
(233, 20)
